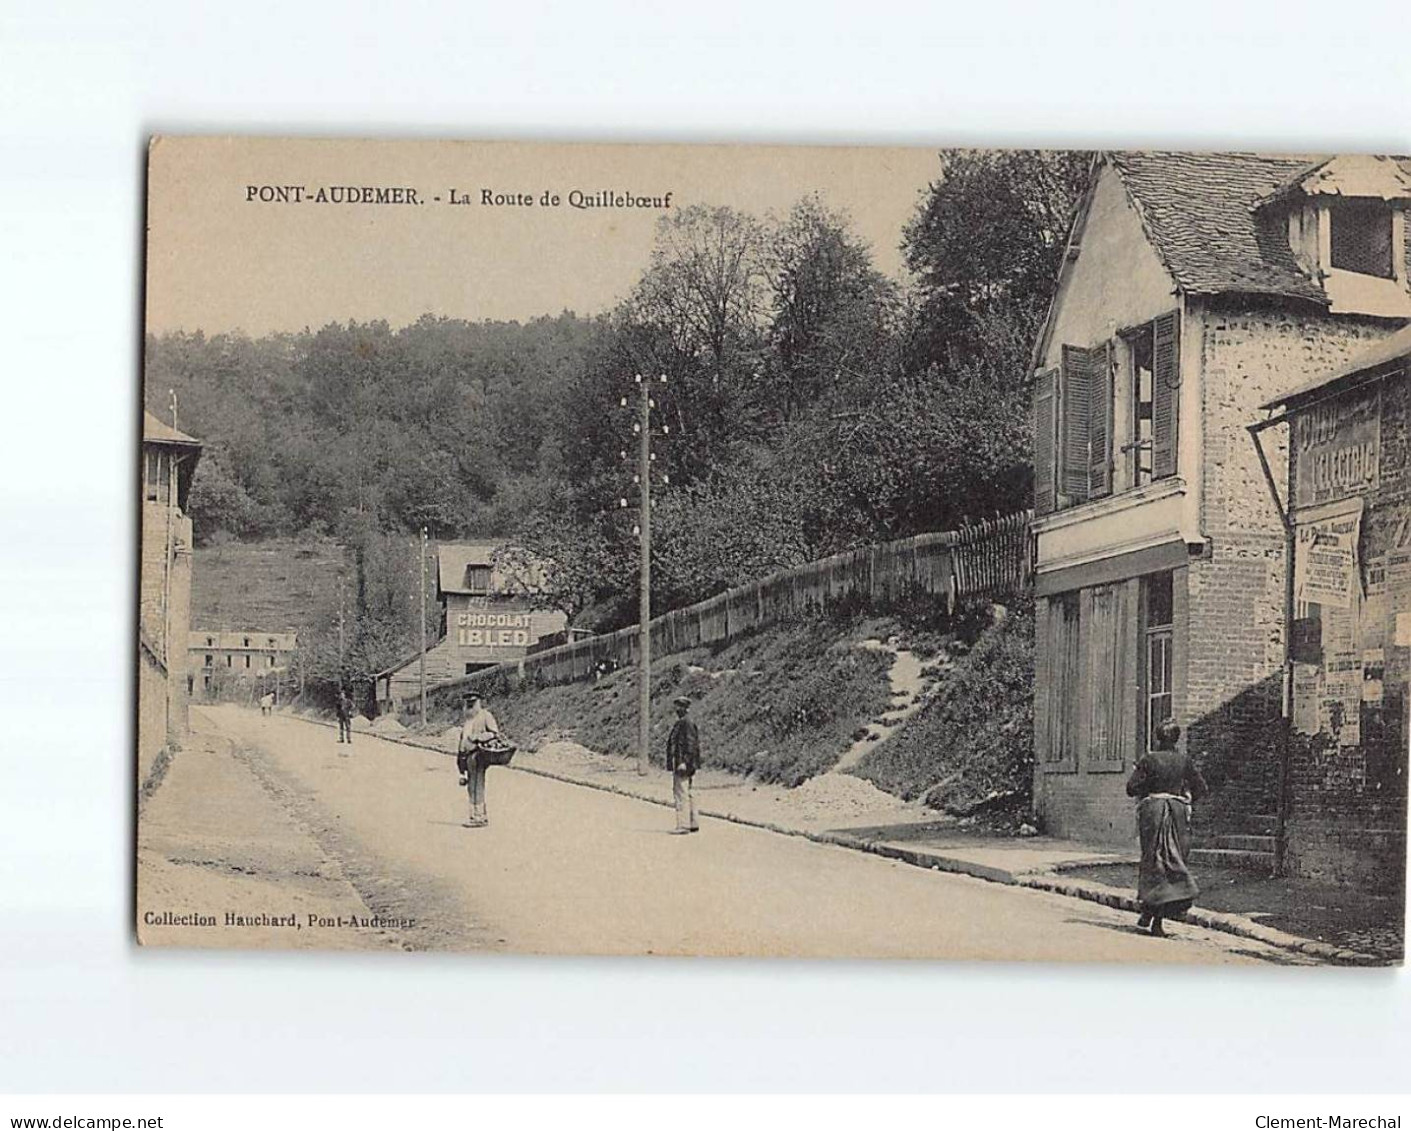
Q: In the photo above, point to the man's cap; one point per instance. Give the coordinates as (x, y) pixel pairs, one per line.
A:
(682, 700)
(471, 698)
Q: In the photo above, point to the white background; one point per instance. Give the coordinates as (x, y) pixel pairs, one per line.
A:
(82, 85)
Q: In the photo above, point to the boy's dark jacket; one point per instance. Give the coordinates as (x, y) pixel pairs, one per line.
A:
(683, 747)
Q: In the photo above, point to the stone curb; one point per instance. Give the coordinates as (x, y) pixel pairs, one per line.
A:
(1050, 881)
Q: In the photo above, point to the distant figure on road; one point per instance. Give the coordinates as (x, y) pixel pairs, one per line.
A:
(478, 730)
(1165, 782)
(267, 703)
(683, 755)
(345, 716)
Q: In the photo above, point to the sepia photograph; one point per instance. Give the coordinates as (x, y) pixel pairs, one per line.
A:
(774, 551)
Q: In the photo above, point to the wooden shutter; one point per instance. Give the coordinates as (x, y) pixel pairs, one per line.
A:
(1100, 422)
(1074, 406)
(1165, 393)
(1110, 725)
(1045, 434)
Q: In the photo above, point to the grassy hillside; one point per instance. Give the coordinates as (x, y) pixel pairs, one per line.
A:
(781, 705)
(268, 586)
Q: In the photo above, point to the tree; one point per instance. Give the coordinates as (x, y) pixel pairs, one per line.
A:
(832, 314)
(985, 248)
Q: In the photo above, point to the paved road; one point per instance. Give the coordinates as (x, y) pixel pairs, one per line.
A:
(565, 869)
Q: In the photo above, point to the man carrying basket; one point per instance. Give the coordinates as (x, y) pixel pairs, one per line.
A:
(479, 748)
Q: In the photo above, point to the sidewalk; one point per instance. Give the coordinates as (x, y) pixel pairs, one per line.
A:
(835, 808)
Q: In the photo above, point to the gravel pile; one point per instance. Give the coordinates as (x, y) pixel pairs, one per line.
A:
(841, 794)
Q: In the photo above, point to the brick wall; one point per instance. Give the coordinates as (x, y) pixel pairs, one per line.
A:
(1347, 813)
(1087, 807)
(1236, 590)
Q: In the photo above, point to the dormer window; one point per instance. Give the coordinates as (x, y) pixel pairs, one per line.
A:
(1361, 237)
(477, 579)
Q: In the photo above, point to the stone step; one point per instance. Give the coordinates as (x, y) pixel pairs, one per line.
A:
(1239, 842)
(1248, 824)
(1234, 858)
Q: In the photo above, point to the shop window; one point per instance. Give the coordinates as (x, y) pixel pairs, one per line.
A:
(1158, 658)
(1361, 237)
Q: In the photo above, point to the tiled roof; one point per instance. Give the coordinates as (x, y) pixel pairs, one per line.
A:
(154, 431)
(1199, 211)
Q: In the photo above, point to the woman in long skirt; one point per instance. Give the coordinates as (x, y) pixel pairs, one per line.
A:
(1165, 782)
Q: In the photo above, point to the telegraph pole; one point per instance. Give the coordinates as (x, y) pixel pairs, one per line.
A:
(340, 630)
(423, 628)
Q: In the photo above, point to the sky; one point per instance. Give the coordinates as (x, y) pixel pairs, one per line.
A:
(227, 250)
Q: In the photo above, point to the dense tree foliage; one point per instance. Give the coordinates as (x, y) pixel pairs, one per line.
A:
(811, 404)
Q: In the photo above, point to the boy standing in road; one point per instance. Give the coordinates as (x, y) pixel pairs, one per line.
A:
(683, 755)
(345, 716)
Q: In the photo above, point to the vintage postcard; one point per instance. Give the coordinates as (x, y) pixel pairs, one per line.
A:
(776, 552)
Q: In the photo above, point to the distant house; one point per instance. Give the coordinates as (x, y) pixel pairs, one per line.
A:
(164, 592)
(1195, 288)
(486, 619)
(222, 660)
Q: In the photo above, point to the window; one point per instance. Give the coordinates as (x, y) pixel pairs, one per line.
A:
(247, 642)
(205, 681)
(152, 475)
(209, 659)
(229, 660)
(1158, 667)
(271, 662)
(1073, 416)
(1361, 237)
(1062, 682)
(247, 661)
(1140, 348)
(477, 578)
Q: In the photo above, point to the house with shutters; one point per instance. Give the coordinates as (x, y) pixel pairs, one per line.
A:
(1195, 289)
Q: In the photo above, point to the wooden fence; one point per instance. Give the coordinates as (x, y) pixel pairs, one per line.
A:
(992, 557)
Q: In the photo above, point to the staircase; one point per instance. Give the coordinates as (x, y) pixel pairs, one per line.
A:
(1251, 849)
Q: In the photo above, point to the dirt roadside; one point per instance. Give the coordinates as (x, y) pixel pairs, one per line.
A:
(227, 834)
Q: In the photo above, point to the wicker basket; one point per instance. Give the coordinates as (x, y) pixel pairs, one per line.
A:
(497, 752)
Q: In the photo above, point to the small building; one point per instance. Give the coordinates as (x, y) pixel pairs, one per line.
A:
(232, 662)
(1347, 502)
(164, 590)
(487, 618)
(1195, 288)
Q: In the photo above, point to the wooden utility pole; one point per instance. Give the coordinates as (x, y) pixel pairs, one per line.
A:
(340, 630)
(644, 622)
(423, 628)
